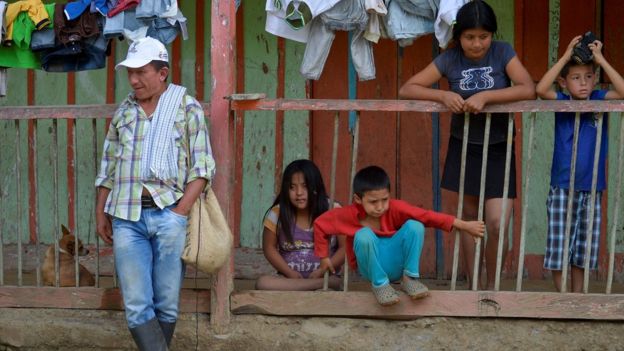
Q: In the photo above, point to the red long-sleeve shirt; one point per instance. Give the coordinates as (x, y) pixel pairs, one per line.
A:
(346, 221)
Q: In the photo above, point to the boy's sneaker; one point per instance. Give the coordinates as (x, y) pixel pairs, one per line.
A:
(414, 288)
(386, 295)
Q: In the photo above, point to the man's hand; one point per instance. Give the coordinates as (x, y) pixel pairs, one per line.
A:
(104, 227)
(181, 211)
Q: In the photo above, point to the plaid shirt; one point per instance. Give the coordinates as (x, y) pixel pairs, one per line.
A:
(121, 161)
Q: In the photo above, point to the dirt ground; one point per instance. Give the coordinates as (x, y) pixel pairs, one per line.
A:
(37, 329)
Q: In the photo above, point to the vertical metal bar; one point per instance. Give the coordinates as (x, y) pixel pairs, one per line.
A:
(617, 205)
(55, 215)
(460, 201)
(94, 145)
(525, 201)
(486, 142)
(354, 153)
(332, 180)
(18, 176)
(33, 147)
(592, 205)
(566, 240)
(75, 209)
(503, 221)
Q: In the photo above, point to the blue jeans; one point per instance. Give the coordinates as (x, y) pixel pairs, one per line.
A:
(149, 267)
(382, 260)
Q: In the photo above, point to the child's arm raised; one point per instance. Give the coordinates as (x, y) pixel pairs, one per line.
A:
(269, 247)
(419, 87)
(474, 228)
(614, 76)
(545, 88)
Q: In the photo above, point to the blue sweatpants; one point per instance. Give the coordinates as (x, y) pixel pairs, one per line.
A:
(382, 260)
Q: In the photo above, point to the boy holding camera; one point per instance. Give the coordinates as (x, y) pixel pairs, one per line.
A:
(575, 72)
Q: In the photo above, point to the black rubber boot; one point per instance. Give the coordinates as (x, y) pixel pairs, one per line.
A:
(149, 336)
(167, 329)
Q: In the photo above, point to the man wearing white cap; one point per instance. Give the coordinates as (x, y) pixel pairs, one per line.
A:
(156, 161)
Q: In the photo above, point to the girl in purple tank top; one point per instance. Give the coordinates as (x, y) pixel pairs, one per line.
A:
(288, 240)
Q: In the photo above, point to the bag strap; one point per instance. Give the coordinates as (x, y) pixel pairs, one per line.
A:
(188, 167)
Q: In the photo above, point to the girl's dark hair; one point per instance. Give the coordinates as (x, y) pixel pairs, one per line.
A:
(370, 178)
(475, 14)
(318, 201)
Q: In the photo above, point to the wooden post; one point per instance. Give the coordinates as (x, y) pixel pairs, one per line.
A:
(222, 68)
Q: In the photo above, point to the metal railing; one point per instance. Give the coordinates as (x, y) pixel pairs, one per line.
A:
(249, 102)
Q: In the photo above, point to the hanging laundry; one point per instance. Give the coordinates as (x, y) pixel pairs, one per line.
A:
(276, 24)
(109, 5)
(122, 5)
(88, 54)
(74, 9)
(424, 8)
(19, 54)
(375, 9)
(347, 15)
(167, 19)
(125, 24)
(34, 9)
(291, 19)
(443, 25)
(43, 40)
(81, 28)
(157, 8)
(3, 7)
(79, 44)
(404, 26)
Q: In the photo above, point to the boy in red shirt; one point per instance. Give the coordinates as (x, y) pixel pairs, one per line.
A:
(384, 236)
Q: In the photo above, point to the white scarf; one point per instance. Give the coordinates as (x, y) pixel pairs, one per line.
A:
(159, 158)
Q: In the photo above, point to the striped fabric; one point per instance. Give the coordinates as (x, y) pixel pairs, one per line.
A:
(557, 205)
(120, 168)
(159, 157)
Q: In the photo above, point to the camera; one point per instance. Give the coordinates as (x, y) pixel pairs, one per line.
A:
(581, 53)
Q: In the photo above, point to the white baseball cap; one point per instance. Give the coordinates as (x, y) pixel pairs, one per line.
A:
(143, 51)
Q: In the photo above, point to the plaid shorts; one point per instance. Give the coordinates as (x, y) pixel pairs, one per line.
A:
(557, 205)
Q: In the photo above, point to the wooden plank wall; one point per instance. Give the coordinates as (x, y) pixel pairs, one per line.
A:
(271, 66)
